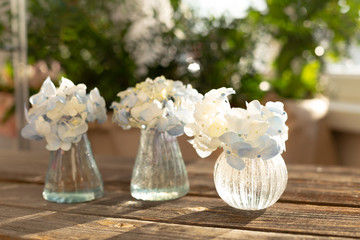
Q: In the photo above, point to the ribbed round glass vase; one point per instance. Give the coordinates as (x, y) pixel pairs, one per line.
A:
(73, 175)
(159, 172)
(259, 185)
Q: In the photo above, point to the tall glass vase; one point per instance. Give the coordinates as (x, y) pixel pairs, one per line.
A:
(73, 175)
(159, 172)
(259, 185)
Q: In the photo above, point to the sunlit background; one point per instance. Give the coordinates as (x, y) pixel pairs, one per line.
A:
(305, 53)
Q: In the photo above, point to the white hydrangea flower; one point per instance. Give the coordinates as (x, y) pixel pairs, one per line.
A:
(256, 132)
(60, 115)
(162, 104)
(96, 107)
(209, 121)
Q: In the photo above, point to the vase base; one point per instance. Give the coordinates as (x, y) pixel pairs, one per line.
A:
(158, 194)
(73, 197)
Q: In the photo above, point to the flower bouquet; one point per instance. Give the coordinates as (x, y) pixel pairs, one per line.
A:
(250, 173)
(60, 116)
(160, 108)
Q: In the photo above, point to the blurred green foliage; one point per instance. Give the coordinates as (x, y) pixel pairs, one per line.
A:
(297, 26)
(90, 46)
(300, 26)
(218, 48)
(83, 38)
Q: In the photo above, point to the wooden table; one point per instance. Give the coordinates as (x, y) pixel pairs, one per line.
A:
(319, 202)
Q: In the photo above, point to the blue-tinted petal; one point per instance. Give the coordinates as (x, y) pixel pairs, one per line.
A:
(29, 132)
(271, 149)
(229, 138)
(176, 131)
(48, 88)
(243, 149)
(277, 126)
(235, 162)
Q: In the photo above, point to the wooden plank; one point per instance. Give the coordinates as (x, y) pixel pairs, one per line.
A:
(310, 184)
(317, 187)
(35, 164)
(298, 190)
(328, 173)
(322, 192)
(199, 211)
(43, 224)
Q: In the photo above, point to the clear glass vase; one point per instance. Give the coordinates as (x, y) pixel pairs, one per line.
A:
(73, 175)
(159, 171)
(259, 185)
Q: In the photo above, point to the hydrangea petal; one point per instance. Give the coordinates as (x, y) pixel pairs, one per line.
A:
(257, 129)
(277, 126)
(151, 111)
(162, 124)
(48, 88)
(66, 83)
(189, 129)
(243, 149)
(203, 153)
(65, 146)
(121, 116)
(42, 127)
(270, 149)
(176, 130)
(229, 137)
(254, 107)
(53, 142)
(235, 161)
(29, 132)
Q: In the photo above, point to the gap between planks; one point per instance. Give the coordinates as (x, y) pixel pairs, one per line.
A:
(124, 186)
(211, 213)
(283, 234)
(35, 224)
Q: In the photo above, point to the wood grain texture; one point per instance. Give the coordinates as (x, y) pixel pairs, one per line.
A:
(308, 184)
(198, 211)
(17, 223)
(318, 202)
(35, 164)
